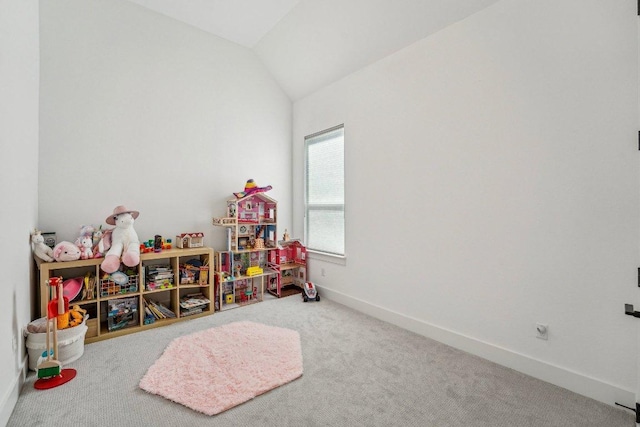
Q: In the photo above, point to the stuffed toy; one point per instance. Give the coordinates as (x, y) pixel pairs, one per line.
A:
(104, 243)
(85, 230)
(97, 236)
(38, 247)
(77, 315)
(86, 243)
(124, 240)
(66, 251)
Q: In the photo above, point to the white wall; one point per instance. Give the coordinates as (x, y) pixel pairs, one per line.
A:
(492, 183)
(18, 186)
(142, 110)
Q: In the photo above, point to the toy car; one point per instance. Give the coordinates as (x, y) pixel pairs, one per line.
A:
(309, 292)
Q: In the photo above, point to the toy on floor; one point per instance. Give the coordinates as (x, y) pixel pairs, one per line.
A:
(50, 372)
(309, 292)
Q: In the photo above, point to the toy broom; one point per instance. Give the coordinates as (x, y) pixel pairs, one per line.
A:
(50, 372)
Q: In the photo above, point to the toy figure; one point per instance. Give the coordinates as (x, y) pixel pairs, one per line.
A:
(86, 243)
(38, 247)
(124, 240)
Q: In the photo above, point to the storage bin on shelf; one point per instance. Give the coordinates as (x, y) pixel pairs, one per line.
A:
(118, 283)
(70, 343)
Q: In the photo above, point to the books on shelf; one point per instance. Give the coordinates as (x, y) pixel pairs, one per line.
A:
(191, 311)
(158, 277)
(193, 300)
(193, 304)
(158, 310)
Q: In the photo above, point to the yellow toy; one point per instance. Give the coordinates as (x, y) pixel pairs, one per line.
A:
(77, 315)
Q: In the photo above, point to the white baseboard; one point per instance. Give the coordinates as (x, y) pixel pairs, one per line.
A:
(573, 381)
(13, 391)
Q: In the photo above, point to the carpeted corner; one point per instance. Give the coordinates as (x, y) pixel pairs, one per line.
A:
(216, 369)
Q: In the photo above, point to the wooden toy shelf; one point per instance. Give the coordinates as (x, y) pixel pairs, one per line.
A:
(135, 293)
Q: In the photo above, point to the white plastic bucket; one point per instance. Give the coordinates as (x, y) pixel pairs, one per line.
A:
(70, 344)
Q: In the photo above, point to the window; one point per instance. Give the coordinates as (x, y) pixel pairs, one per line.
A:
(324, 195)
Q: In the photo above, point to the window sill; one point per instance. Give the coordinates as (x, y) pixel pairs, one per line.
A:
(323, 256)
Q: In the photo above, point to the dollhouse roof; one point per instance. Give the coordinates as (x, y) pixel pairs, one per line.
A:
(290, 242)
(192, 235)
(262, 196)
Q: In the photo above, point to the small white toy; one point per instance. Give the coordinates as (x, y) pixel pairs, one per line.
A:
(124, 240)
(38, 247)
(86, 243)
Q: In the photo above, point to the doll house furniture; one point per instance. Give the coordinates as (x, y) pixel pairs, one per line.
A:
(290, 261)
(242, 269)
(190, 240)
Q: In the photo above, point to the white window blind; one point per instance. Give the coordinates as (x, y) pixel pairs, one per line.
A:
(324, 198)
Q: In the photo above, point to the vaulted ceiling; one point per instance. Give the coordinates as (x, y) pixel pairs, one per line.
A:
(308, 44)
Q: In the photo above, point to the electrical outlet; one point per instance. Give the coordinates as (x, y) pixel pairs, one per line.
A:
(542, 331)
(322, 273)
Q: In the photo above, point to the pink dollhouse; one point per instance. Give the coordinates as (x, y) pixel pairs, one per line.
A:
(290, 260)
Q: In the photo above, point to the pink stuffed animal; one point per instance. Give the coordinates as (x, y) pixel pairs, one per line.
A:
(104, 243)
(86, 242)
(66, 251)
(124, 240)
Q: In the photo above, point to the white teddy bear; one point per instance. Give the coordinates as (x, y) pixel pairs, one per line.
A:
(38, 247)
(124, 241)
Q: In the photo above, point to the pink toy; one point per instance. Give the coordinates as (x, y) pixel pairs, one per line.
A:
(124, 240)
(104, 243)
(66, 251)
(86, 243)
(251, 188)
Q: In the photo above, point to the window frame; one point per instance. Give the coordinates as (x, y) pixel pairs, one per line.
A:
(324, 254)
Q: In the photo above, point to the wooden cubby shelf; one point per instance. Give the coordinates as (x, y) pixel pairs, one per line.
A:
(117, 309)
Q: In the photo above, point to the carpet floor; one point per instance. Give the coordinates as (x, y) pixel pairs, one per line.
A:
(358, 371)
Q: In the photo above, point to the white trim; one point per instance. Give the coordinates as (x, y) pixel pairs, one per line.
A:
(323, 256)
(10, 399)
(562, 377)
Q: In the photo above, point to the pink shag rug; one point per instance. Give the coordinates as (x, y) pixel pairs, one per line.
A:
(216, 369)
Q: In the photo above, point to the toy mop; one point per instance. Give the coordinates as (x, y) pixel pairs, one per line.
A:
(50, 372)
